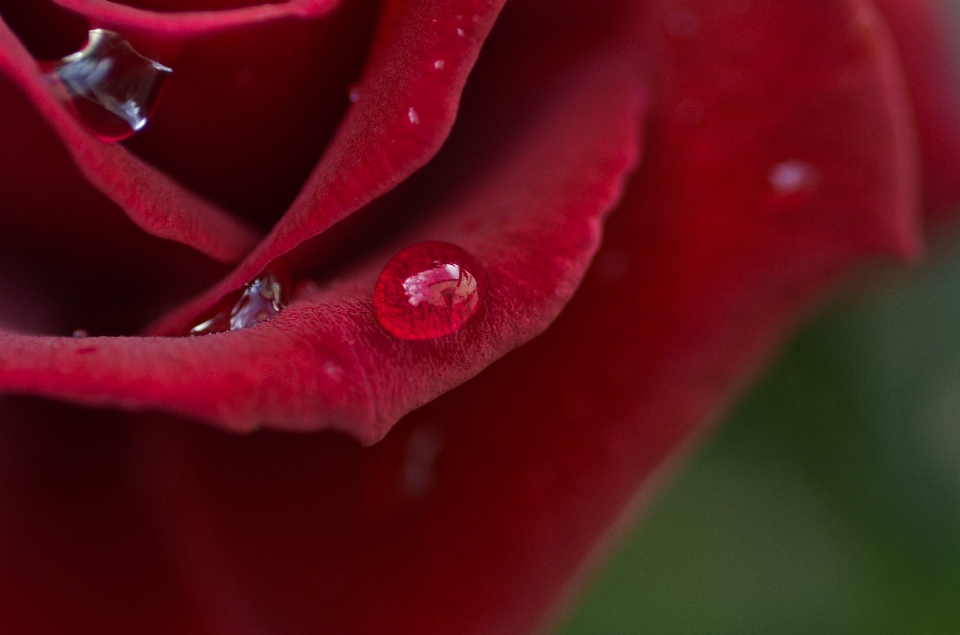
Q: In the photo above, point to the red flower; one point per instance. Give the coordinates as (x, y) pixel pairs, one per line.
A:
(781, 148)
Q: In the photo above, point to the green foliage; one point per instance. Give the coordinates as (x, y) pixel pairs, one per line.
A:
(829, 503)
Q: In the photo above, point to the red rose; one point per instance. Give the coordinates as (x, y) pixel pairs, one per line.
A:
(780, 148)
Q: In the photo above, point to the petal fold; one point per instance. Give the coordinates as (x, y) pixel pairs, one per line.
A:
(152, 200)
(531, 218)
(185, 24)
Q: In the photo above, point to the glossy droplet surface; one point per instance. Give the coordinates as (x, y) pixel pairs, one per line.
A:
(112, 88)
(428, 290)
(260, 300)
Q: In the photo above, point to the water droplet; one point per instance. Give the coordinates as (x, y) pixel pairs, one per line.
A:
(439, 64)
(428, 290)
(80, 333)
(461, 33)
(260, 300)
(413, 117)
(793, 177)
(112, 88)
(333, 370)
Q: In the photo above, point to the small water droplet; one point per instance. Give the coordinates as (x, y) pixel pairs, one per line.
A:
(353, 93)
(333, 370)
(112, 88)
(682, 24)
(428, 290)
(259, 301)
(80, 333)
(793, 177)
(413, 117)
(439, 64)
(461, 33)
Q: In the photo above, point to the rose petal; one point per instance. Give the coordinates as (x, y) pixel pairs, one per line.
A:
(476, 511)
(406, 106)
(152, 200)
(930, 57)
(186, 24)
(324, 362)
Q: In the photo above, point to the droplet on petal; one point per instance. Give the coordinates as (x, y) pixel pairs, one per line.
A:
(259, 301)
(80, 334)
(112, 88)
(428, 290)
(793, 177)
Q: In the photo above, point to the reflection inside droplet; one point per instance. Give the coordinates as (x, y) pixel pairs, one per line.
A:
(112, 87)
(427, 290)
(260, 300)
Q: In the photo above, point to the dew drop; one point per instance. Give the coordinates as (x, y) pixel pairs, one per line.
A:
(80, 334)
(259, 301)
(793, 177)
(439, 65)
(413, 117)
(112, 88)
(428, 290)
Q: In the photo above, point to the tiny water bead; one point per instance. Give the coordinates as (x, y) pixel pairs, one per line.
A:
(792, 177)
(428, 290)
(112, 88)
(260, 300)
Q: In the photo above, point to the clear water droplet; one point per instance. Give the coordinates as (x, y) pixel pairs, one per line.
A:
(792, 177)
(428, 290)
(439, 65)
(413, 117)
(259, 301)
(112, 88)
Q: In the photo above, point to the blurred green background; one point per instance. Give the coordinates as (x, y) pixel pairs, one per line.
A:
(830, 500)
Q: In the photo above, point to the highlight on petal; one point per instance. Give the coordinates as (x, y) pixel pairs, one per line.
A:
(154, 201)
(192, 23)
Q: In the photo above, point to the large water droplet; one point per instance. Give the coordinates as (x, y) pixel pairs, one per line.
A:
(427, 290)
(260, 300)
(112, 88)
